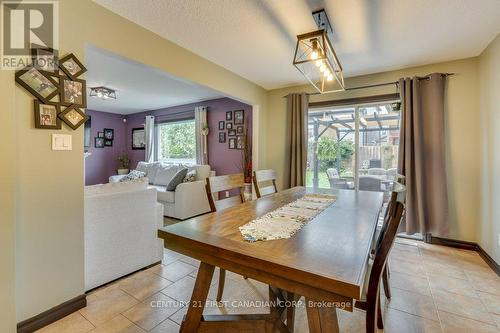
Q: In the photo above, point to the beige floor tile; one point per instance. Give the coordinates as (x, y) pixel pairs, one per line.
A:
(170, 256)
(414, 283)
(456, 324)
(406, 248)
(491, 301)
(74, 323)
(107, 306)
(405, 255)
(118, 324)
(180, 290)
(488, 285)
(465, 306)
(450, 284)
(179, 315)
(191, 261)
(152, 311)
(145, 287)
(175, 270)
(167, 326)
(398, 322)
(497, 319)
(444, 270)
(406, 267)
(413, 303)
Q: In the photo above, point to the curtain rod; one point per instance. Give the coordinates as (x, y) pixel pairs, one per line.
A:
(381, 84)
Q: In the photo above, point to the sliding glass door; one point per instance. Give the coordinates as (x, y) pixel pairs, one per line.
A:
(353, 147)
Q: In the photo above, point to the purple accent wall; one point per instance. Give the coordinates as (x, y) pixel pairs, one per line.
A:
(103, 162)
(222, 159)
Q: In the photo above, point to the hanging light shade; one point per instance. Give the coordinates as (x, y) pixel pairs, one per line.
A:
(317, 61)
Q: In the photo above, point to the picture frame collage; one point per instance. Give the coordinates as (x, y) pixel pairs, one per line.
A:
(104, 138)
(60, 95)
(233, 129)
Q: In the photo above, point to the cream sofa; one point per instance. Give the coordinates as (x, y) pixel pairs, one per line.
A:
(120, 230)
(189, 199)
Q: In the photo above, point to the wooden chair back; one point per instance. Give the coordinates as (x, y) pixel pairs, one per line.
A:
(264, 176)
(218, 184)
(383, 247)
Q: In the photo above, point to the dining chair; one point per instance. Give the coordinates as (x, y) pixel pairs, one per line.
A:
(213, 187)
(370, 298)
(264, 182)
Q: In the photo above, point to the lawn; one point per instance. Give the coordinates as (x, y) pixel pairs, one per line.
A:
(323, 179)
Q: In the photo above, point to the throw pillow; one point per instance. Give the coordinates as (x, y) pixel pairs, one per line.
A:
(177, 179)
(134, 174)
(165, 174)
(142, 166)
(190, 176)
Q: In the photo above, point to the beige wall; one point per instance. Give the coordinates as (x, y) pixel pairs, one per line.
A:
(7, 203)
(462, 138)
(49, 212)
(489, 93)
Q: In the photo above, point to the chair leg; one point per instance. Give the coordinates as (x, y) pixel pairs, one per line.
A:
(380, 322)
(385, 282)
(222, 279)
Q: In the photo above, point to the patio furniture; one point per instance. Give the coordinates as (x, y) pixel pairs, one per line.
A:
(335, 180)
(370, 183)
(375, 163)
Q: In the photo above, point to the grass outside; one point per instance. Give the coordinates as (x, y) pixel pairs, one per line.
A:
(323, 179)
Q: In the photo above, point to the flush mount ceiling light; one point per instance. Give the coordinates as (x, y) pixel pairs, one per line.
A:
(102, 92)
(315, 57)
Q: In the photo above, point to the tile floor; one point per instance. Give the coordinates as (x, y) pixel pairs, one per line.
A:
(434, 289)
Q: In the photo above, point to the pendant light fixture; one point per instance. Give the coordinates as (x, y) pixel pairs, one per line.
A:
(315, 57)
(103, 93)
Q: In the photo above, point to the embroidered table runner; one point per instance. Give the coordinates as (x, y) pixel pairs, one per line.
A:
(285, 221)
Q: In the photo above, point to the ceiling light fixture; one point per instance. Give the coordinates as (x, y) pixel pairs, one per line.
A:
(316, 59)
(102, 92)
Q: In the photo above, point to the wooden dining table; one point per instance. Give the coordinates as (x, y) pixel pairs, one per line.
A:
(325, 261)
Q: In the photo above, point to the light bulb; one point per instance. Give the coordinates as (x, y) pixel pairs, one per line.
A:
(314, 55)
(329, 77)
(319, 63)
(322, 68)
(327, 72)
(99, 94)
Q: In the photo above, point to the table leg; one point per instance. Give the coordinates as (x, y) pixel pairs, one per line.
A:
(321, 319)
(290, 311)
(198, 299)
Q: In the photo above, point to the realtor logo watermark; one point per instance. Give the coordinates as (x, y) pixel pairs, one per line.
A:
(24, 24)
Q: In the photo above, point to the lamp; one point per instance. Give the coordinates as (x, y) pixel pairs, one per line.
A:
(316, 59)
(102, 92)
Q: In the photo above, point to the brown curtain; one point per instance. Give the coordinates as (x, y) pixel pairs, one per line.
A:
(297, 105)
(422, 154)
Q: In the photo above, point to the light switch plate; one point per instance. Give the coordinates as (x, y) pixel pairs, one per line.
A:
(62, 142)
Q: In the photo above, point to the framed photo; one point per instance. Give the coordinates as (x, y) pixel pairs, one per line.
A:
(38, 83)
(229, 126)
(108, 143)
(109, 133)
(231, 132)
(71, 66)
(239, 117)
(240, 129)
(221, 125)
(138, 138)
(222, 137)
(100, 134)
(45, 59)
(74, 92)
(46, 115)
(240, 141)
(99, 142)
(229, 115)
(73, 117)
(232, 143)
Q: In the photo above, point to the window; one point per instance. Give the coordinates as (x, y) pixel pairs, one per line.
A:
(176, 142)
(353, 146)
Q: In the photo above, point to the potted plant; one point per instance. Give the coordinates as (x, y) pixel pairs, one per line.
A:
(124, 164)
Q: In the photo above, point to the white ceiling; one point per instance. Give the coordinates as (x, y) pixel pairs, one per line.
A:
(138, 87)
(256, 38)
